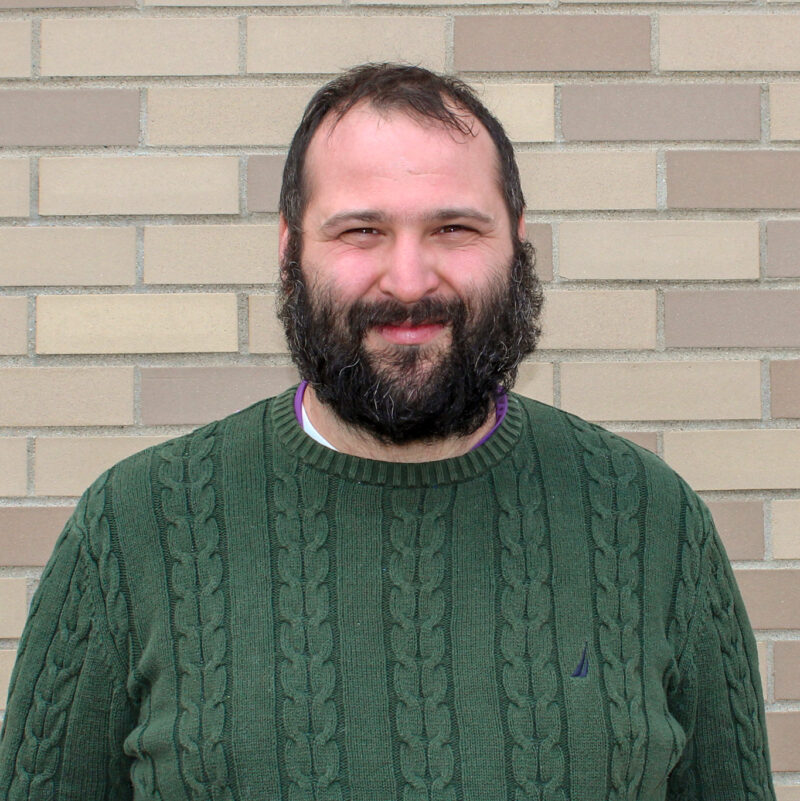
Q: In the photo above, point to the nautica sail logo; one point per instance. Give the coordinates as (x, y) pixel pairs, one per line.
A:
(582, 670)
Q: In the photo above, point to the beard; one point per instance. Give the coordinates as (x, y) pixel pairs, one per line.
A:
(412, 393)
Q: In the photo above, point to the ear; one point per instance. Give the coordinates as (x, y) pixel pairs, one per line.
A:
(283, 237)
(521, 227)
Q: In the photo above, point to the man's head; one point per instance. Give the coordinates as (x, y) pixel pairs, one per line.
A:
(408, 291)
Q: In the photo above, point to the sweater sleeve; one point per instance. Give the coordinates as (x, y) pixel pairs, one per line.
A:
(718, 699)
(68, 711)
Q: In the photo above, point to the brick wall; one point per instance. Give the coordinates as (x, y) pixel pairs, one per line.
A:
(658, 143)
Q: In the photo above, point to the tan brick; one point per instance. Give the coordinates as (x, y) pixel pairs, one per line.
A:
(599, 320)
(7, 659)
(66, 396)
(741, 42)
(251, 115)
(179, 395)
(784, 111)
(281, 44)
(741, 526)
(785, 388)
(786, 792)
(139, 185)
(28, 533)
(13, 466)
(631, 112)
(732, 318)
(787, 670)
(644, 439)
(783, 732)
(14, 188)
(662, 390)
(66, 3)
(526, 110)
(761, 649)
(67, 465)
(752, 179)
(13, 606)
(783, 249)
(181, 323)
(535, 380)
(540, 235)
(786, 529)
(211, 254)
(658, 250)
(13, 325)
(15, 48)
(54, 256)
(596, 180)
(69, 117)
(266, 331)
(735, 459)
(772, 597)
(264, 175)
(130, 46)
(551, 42)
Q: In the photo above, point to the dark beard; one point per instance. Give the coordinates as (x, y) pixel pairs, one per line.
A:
(403, 394)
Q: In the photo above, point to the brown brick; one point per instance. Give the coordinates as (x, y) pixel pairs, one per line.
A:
(772, 597)
(784, 111)
(785, 388)
(736, 459)
(175, 323)
(740, 42)
(180, 395)
(631, 112)
(7, 659)
(143, 46)
(54, 256)
(139, 185)
(14, 188)
(69, 116)
(658, 249)
(596, 180)
(250, 115)
(662, 390)
(13, 466)
(551, 42)
(741, 526)
(15, 48)
(13, 606)
(540, 235)
(783, 249)
(644, 439)
(13, 325)
(211, 254)
(526, 110)
(535, 380)
(787, 670)
(28, 533)
(749, 318)
(281, 44)
(786, 529)
(783, 732)
(752, 179)
(67, 465)
(266, 331)
(264, 175)
(66, 396)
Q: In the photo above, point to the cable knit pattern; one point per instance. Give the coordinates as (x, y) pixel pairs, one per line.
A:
(143, 773)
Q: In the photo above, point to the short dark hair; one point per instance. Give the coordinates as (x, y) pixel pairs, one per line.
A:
(415, 91)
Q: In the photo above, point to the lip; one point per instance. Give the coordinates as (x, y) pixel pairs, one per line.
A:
(407, 334)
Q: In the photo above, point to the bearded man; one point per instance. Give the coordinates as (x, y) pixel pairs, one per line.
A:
(399, 580)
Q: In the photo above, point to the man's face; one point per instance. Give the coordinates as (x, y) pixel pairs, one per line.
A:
(402, 274)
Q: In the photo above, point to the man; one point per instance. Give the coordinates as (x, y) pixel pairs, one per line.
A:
(398, 581)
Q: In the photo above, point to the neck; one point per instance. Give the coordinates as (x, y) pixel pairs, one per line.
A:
(357, 442)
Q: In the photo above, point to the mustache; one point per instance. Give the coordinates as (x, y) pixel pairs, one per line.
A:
(363, 315)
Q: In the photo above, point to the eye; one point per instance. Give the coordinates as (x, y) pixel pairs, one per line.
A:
(362, 237)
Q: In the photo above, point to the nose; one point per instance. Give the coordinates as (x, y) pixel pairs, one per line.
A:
(409, 271)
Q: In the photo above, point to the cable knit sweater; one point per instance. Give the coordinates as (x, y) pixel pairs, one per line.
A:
(242, 613)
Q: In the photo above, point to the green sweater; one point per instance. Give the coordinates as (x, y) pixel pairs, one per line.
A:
(242, 613)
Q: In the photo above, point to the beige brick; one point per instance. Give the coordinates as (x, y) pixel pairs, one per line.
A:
(772, 597)
(599, 320)
(783, 732)
(741, 526)
(264, 182)
(787, 792)
(526, 110)
(658, 250)
(13, 466)
(7, 659)
(216, 3)
(66, 396)
(784, 111)
(785, 388)
(644, 439)
(551, 42)
(14, 188)
(139, 185)
(182, 323)
(13, 606)
(787, 670)
(266, 331)
(67, 465)
(66, 3)
(251, 115)
(281, 44)
(211, 254)
(28, 533)
(783, 249)
(786, 529)
(596, 180)
(535, 380)
(143, 46)
(662, 390)
(736, 459)
(740, 42)
(15, 48)
(13, 325)
(540, 235)
(761, 650)
(54, 256)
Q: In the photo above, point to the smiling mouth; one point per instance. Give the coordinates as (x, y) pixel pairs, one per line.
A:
(408, 333)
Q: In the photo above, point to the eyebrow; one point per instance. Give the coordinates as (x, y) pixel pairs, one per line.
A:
(375, 216)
